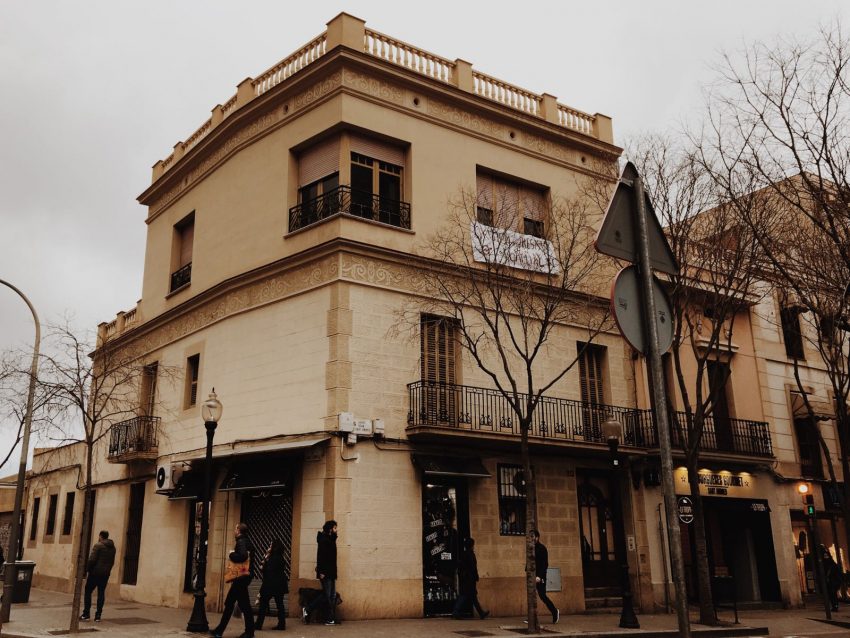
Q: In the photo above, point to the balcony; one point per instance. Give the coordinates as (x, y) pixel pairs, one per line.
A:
(181, 277)
(342, 200)
(483, 410)
(735, 436)
(459, 408)
(134, 440)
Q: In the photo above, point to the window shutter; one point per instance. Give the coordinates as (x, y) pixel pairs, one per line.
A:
(506, 204)
(533, 203)
(484, 185)
(318, 161)
(187, 238)
(375, 149)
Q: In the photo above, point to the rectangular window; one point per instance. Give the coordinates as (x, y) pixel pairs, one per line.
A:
(68, 518)
(511, 204)
(193, 365)
(791, 333)
(808, 446)
(484, 216)
(592, 384)
(184, 239)
(148, 393)
(718, 374)
(52, 506)
(438, 355)
(375, 189)
(133, 540)
(36, 505)
(511, 500)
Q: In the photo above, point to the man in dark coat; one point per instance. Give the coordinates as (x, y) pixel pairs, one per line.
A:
(325, 572)
(238, 592)
(468, 576)
(274, 584)
(541, 560)
(98, 568)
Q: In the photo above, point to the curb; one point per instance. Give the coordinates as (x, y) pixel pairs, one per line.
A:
(722, 632)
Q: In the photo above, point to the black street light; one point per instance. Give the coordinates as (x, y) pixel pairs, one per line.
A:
(612, 431)
(211, 412)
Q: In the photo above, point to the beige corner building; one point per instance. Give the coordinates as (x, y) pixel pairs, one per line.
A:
(280, 250)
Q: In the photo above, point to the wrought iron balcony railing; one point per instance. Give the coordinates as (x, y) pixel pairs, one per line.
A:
(134, 438)
(345, 200)
(738, 436)
(486, 410)
(475, 409)
(181, 277)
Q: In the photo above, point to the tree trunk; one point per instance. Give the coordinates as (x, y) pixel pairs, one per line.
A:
(530, 524)
(706, 605)
(85, 534)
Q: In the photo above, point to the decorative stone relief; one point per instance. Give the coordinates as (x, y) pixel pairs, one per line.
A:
(466, 119)
(373, 86)
(547, 147)
(273, 288)
(318, 90)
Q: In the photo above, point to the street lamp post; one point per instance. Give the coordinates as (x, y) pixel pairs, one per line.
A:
(211, 411)
(612, 431)
(815, 552)
(15, 532)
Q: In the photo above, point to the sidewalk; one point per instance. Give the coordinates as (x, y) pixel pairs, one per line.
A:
(48, 613)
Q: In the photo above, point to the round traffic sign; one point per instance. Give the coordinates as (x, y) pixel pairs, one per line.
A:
(626, 307)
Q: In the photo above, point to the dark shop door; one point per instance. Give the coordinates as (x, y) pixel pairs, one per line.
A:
(596, 522)
(268, 515)
(445, 521)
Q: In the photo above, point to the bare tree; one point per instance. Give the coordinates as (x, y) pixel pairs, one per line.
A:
(777, 130)
(92, 389)
(509, 296)
(714, 288)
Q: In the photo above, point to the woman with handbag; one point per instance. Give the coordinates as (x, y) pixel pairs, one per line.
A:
(274, 584)
(238, 574)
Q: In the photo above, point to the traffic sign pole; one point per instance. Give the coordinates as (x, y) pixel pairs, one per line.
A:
(659, 399)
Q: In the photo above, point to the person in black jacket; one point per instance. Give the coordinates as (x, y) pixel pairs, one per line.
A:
(238, 593)
(468, 576)
(98, 568)
(541, 561)
(274, 584)
(325, 572)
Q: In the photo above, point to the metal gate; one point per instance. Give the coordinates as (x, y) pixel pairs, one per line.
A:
(268, 515)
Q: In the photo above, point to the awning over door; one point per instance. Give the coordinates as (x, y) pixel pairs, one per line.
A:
(822, 409)
(469, 466)
(190, 486)
(257, 474)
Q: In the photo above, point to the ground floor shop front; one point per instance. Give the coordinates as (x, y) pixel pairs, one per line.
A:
(403, 512)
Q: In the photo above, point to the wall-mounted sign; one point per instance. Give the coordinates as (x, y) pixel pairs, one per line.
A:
(686, 509)
(717, 483)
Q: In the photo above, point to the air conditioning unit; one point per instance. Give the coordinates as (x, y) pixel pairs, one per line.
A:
(167, 476)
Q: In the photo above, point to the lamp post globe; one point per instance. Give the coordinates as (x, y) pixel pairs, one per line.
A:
(211, 411)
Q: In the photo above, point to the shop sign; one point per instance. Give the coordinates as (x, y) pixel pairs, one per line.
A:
(717, 483)
(686, 509)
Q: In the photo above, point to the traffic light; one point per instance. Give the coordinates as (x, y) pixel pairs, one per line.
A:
(809, 502)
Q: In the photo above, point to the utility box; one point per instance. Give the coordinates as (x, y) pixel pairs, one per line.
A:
(553, 579)
(23, 581)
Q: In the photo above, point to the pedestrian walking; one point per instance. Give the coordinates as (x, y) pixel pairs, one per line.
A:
(832, 574)
(325, 572)
(468, 576)
(98, 568)
(274, 584)
(238, 574)
(541, 560)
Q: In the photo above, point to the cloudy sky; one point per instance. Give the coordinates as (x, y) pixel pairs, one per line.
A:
(94, 92)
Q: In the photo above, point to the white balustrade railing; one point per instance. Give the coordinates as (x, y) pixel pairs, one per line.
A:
(575, 120)
(410, 57)
(307, 54)
(198, 135)
(504, 93)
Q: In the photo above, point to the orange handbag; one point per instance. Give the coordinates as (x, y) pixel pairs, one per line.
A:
(232, 570)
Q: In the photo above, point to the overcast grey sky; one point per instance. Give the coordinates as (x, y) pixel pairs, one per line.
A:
(95, 92)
